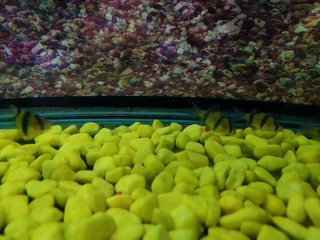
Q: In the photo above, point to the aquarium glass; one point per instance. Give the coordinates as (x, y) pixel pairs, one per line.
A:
(235, 49)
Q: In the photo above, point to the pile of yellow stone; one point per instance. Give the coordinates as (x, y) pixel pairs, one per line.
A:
(153, 182)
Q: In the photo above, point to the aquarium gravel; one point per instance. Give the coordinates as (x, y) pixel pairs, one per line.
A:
(159, 182)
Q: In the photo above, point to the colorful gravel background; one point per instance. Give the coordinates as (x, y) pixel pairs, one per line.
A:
(240, 49)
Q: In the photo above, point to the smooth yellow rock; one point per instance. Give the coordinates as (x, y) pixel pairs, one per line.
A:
(28, 159)
(223, 157)
(230, 204)
(95, 199)
(169, 201)
(225, 234)
(213, 148)
(103, 186)
(222, 171)
(274, 205)
(72, 129)
(51, 138)
(11, 188)
(103, 165)
(75, 162)
(145, 130)
(235, 178)
(290, 227)
(142, 143)
(76, 209)
(79, 139)
(15, 206)
(153, 162)
(233, 149)
(123, 217)
(139, 192)
(166, 156)
(251, 229)
(162, 217)
(46, 214)
(90, 127)
(185, 234)
(129, 182)
(85, 176)
(182, 140)
(60, 197)
(207, 176)
(265, 176)
(300, 168)
(48, 231)
(199, 160)
(120, 130)
(184, 188)
(213, 213)
(166, 141)
(99, 227)
(176, 127)
(285, 189)
(20, 228)
(141, 155)
(186, 175)
(184, 218)
(127, 151)
(103, 135)
(71, 187)
(20, 174)
(37, 163)
(63, 172)
(313, 233)
(162, 183)
(312, 207)
(314, 173)
(123, 160)
(272, 163)
(268, 232)
(308, 154)
(195, 147)
(194, 131)
(270, 149)
(36, 188)
(144, 206)
(157, 232)
(121, 200)
(44, 201)
(248, 213)
(253, 193)
(147, 173)
(198, 205)
(3, 168)
(48, 167)
(295, 208)
(135, 231)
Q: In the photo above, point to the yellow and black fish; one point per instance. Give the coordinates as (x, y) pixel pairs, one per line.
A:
(259, 121)
(30, 124)
(214, 120)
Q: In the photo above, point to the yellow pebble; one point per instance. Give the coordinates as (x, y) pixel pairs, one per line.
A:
(248, 213)
(60, 197)
(213, 148)
(103, 186)
(20, 228)
(235, 178)
(103, 165)
(223, 233)
(222, 171)
(144, 206)
(290, 227)
(314, 173)
(122, 200)
(48, 167)
(312, 207)
(185, 234)
(251, 229)
(3, 168)
(76, 209)
(169, 201)
(48, 231)
(154, 163)
(134, 231)
(37, 163)
(300, 168)
(141, 155)
(194, 131)
(308, 154)
(162, 217)
(142, 143)
(295, 208)
(145, 130)
(123, 217)
(79, 139)
(272, 163)
(85, 176)
(11, 188)
(207, 176)
(274, 205)
(230, 203)
(166, 141)
(166, 156)
(198, 159)
(157, 232)
(265, 176)
(36, 188)
(162, 183)
(103, 135)
(147, 173)
(46, 214)
(313, 233)
(184, 218)
(182, 140)
(198, 205)
(75, 161)
(133, 127)
(15, 206)
(176, 127)
(99, 227)
(51, 138)
(63, 172)
(233, 149)
(195, 147)
(268, 232)
(129, 182)
(44, 201)
(90, 128)
(270, 149)
(285, 189)
(94, 198)
(186, 175)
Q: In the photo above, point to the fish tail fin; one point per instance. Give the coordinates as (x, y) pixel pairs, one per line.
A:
(238, 114)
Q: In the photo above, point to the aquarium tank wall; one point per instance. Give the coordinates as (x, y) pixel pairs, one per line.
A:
(162, 120)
